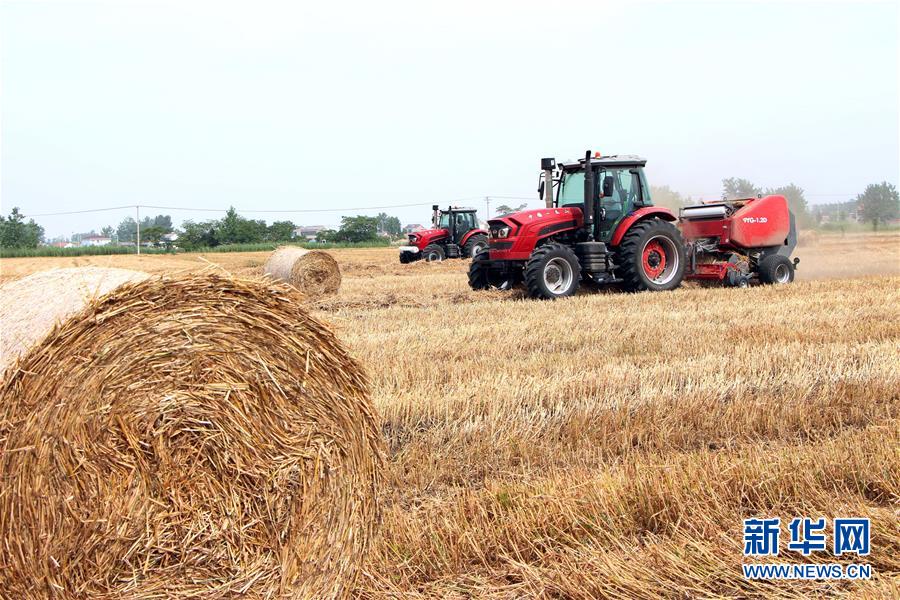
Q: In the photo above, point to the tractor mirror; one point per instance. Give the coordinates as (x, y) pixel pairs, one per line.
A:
(541, 189)
(607, 186)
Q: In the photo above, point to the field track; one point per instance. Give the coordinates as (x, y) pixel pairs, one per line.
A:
(610, 444)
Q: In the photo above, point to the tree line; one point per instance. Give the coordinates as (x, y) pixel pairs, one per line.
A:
(16, 232)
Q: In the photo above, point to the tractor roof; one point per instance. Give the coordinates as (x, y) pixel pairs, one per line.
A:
(624, 160)
(460, 209)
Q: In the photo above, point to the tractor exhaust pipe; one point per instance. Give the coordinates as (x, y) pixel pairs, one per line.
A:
(588, 195)
(434, 215)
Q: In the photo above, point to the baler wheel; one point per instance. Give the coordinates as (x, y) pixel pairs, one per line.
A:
(651, 257)
(776, 269)
(553, 271)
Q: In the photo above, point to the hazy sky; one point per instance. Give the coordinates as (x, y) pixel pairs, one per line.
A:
(315, 105)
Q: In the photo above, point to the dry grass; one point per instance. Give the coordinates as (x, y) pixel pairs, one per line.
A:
(610, 444)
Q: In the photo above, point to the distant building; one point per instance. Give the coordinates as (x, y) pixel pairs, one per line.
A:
(169, 238)
(62, 244)
(95, 240)
(412, 227)
(309, 232)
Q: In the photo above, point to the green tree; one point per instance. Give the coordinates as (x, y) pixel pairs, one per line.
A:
(127, 230)
(879, 204)
(281, 231)
(796, 201)
(504, 209)
(326, 235)
(734, 188)
(666, 197)
(357, 229)
(164, 222)
(235, 229)
(198, 235)
(107, 232)
(152, 234)
(16, 233)
(389, 225)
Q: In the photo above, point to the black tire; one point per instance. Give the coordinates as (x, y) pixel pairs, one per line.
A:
(483, 278)
(552, 272)
(475, 245)
(433, 253)
(776, 269)
(479, 278)
(663, 266)
(404, 258)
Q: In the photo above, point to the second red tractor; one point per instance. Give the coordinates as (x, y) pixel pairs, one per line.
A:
(454, 233)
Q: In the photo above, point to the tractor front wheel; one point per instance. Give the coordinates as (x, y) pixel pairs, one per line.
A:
(552, 272)
(481, 277)
(651, 257)
(433, 253)
(776, 269)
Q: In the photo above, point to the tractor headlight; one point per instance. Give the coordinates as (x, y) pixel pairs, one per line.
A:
(503, 232)
(412, 238)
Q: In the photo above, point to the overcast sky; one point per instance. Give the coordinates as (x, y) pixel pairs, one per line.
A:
(290, 106)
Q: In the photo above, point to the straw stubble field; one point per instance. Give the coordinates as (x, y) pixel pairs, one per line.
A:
(610, 444)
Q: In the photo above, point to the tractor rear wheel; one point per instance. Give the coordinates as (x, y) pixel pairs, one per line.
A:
(651, 257)
(776, 269)
(552, 272)
(433, 253)
(475, 245)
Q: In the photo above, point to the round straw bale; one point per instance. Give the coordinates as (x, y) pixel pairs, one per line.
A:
(313, 272)
(197, 436)
(30, 307)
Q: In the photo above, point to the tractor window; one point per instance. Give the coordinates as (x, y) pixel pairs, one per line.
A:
(625, 193)
(571, 191)
(645, 189)
(444, 222)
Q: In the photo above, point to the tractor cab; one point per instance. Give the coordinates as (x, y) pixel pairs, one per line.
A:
(618, 187)
(457, 221)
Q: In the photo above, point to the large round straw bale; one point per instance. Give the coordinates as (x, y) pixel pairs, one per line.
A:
(195, 436)
(314, 272)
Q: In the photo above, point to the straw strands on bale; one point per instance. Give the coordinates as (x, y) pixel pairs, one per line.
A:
(198, 436)
(314, 272)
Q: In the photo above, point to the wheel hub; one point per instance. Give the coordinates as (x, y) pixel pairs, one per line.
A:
(659, 259)
(654, 259)
(558, 276)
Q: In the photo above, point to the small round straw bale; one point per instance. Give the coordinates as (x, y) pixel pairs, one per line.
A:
(313, 272)
(197, 436)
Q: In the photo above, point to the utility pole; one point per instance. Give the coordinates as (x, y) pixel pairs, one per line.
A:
(487, 207)
(138, 209)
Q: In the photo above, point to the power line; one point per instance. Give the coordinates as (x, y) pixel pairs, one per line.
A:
(77, 212)
(222, 210)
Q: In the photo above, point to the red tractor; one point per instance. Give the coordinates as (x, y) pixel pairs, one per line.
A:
(454, 234)
(602, 228)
